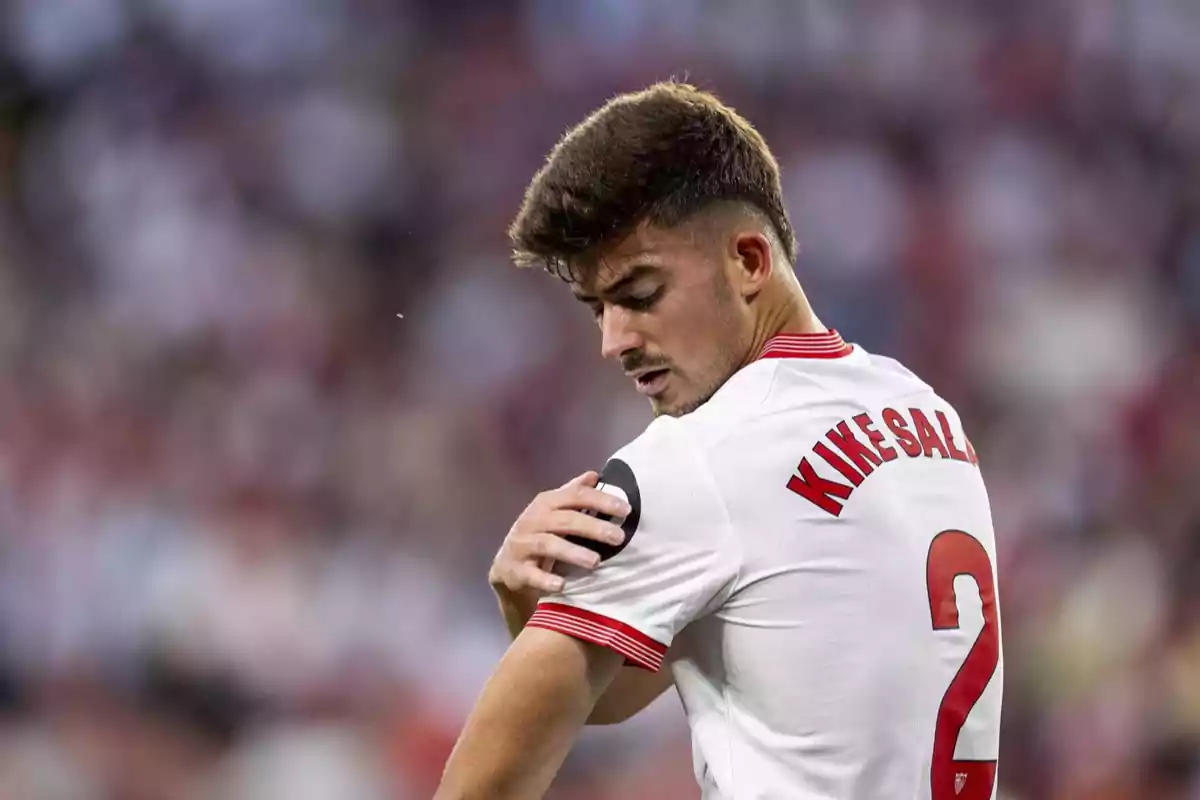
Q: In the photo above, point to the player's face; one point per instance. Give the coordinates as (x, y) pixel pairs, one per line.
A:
(667, 313)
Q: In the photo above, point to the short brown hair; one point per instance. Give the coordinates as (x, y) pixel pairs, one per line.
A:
(660, 155)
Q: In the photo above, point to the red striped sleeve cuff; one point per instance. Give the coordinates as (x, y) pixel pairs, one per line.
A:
(638, 648)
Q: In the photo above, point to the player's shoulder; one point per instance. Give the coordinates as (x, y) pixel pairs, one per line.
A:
(890, 377)
(660, 447)
(740, 399)
(765, 387)
(762, 392)
(678, 444)
(785, 396)
(858, 377)
(667, 459)
(666, 481)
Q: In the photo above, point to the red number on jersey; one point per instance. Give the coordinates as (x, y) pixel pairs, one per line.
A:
(951, 554)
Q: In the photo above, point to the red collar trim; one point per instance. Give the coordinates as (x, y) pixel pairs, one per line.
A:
(806, 345)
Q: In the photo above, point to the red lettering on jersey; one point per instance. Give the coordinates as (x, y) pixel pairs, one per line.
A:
(858, 460)
(974, 459)
(818, 491)
(899, 427)
(856, 451)
(886, 452)
(838, 463)
(929, 438)
(955, 453)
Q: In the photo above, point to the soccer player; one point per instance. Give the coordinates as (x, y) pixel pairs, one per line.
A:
(800, 541)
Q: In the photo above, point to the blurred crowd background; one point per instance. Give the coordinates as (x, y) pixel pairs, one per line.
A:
(271, 395)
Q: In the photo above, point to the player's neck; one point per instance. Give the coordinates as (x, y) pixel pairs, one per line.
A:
(792, 315)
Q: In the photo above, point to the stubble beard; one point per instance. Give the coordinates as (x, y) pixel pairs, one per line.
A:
(726, 353)
(711, 388)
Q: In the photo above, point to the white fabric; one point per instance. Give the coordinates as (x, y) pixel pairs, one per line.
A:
(800, 630)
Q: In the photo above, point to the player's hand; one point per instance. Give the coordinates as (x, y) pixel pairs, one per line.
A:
(537, 540)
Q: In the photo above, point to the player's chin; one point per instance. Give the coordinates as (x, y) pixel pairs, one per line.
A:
(665, 404)
(660, 405)
(675, 401)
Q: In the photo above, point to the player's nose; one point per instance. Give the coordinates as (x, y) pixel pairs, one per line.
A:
(617, 333)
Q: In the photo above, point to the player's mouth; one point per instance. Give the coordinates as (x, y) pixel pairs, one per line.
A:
(652, 381)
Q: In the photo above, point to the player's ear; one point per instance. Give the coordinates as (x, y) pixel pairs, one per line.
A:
(753, 260)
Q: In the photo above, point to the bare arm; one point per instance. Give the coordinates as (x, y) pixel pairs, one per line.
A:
(528, 717)
(632, 690)
(516, 608)
(521, 572)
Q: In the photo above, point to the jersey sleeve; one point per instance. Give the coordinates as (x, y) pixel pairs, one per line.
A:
(675, 563)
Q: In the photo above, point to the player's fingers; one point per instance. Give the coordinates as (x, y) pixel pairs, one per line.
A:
(555, 547)
(553, 498)
(530, 577)
(587, 498)
(588, 478)
(576, 523)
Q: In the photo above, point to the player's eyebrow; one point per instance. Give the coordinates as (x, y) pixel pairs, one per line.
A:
(618, 286)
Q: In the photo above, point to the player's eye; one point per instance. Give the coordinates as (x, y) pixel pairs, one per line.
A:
(642, 302)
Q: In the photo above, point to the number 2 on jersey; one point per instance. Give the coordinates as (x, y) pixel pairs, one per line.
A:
(953, 553)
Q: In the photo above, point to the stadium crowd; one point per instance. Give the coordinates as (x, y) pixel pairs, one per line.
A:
(270, 394)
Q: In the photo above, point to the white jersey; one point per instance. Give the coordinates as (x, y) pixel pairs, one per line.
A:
(811, 553)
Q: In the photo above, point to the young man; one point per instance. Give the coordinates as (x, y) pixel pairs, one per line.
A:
(801, 537)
